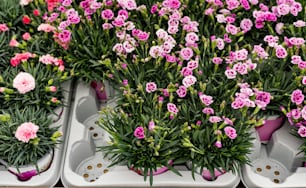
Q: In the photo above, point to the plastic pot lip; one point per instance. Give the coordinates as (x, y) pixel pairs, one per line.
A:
(158, 171)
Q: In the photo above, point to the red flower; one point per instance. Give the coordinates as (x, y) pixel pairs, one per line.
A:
(26, 19)
(36, 12)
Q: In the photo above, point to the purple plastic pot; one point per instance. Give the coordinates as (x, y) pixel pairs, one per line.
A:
(100, 90)
(271, 124)
(158, 171)
(206, 174)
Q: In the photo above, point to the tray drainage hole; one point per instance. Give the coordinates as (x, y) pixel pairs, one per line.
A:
(258, 169)
(91, 128)
(89, 167)
(276, 181)
(105, 171)
(276, 173)
(92, 180)
(85, 175)
(99, 165)
(95, 135)
(268, 167)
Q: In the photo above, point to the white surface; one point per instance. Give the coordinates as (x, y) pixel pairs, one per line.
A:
(52, 175)
(80, 149)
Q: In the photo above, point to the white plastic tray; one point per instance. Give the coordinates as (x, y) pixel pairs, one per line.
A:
(82, 162)
(277, 163)
(50, 177)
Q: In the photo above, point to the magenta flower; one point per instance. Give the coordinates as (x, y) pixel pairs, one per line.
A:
(295, 113)
(65, 36)
(231, 29)
(302, 131)
(172, 108)
(281, 52)
(182, 91)
(26, 131)
(139, 133)
(262, 98)
(218, 144)
(230, 132)
(186, 71)
(107, 14)
(150, 87)
(232, 4)
(297, 97)
(24, 82)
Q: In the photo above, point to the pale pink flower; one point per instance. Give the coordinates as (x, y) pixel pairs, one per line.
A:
(218, 144)
(3, 27)
(232, 4)
(181, 91)
(231, 29)
(128, 47)
(26, 131)
(241, 68)
(151, 125)
(230, 73)
(283, 9)
(208, 111)
(271, 40)
(173, 23)
(189, 81)
(24, 82)
(303, 113)
(206, 99)
(173, 30)
(161, 34)
(297, 97)
(279, 28)
(24, 2)
(246, 24)
(53, 88)
(107, 26)
(139, 133)
(127, 4)
(26, 36)
(296, 59)
(46, 28)
(209, 11)
(254, 2)
(302, 131)
(186, 53)
(217, 60)
(155, 51)
(260, 51)
(280, 52)
(172, 108)
(227, 121)
(215, 119)
(238, 103)
(150, 87)
(14, 43)
(241, 55)
(220, 18)
(220, 43)
(191, 38)
(192, 64)
(230, 132)
(295, 113)
(299, 23)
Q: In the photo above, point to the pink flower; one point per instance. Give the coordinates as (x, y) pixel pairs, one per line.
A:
(53, 88)
(186, 71)
(303, 113)
(230, 73)
(186, 53)
(143, 36)
(3, 28)
(209, 11)
(139, 133)
(231, 29)
(161, 34)
(182, 91)
(154, 9)
(304, 80)
(245, 4)
(151, 125)
(218, 144)
(238, 103)
(26, 131)
(189, 80)
(227, 121)
(191, 38)
(208, 111)
(232, 4)
(241, 68)
(217, 60)
(155, 51)
(262, 98)
(118, 22)
(246, 24)
(65, 36)
(297, 97)
(215, 119)
(107, 26)
(24, 82)
(174, 4)
(107, 14)
(280, 52)
(123, 13)
(220, 43)
(299, 23)
(172, 108)
(295, 113)
(13, 43)
(241, 55)
(150, 87)
(24, 2)
(230, 132)
(125, 82)
(302, 65)
(302, 131)
(26, 36)
(206, 99)
(127, 4)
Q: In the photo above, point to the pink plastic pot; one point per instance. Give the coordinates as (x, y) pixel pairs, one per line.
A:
(158, 171)
(100, 90)
(271, 124)
(206, 174)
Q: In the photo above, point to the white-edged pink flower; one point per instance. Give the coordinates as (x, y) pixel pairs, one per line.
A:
(295, 113)
(215, 119)
(283, 9)
(189, 81)
(150, 87)
(230, 73)
(220, 43)
(181, 91)
(161, 34)
(151, 125)
(297, 97)
(280, 52)
(230, 132)
(296, 59)
(241, 55)
(231, 29)
(299, 23)
(26, 131)
(208, 111)
(127, 4)
(191, 38)
(186, 53)
(186, 71)
(192, 64)
(246, 24)
(155, 51)
(302, 131)
(206, 99)
(24, 82)
(46, 28)
(241, 68)
(172, 108)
